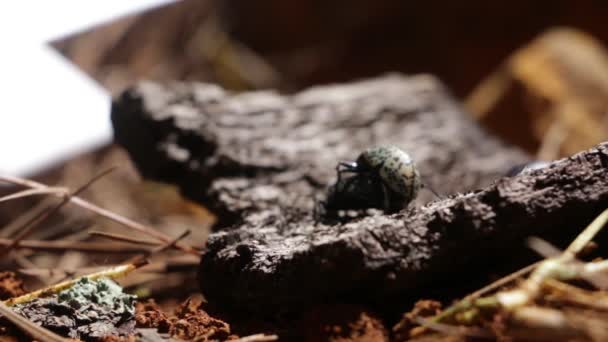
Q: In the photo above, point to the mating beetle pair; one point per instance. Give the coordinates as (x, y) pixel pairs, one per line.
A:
(383, 177)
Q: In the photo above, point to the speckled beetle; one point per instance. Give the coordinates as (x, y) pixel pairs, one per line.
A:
(383, 177)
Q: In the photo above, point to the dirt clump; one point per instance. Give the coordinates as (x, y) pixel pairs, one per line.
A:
(10, 285)
(189, 321)
(150, 315)
(342, 323)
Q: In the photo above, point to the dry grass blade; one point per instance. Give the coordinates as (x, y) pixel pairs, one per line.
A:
(27, 227)
(103, 212)
(34, 330)
(562, 265)
(113, 272)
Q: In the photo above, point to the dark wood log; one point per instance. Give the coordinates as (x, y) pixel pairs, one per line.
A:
(258, 159)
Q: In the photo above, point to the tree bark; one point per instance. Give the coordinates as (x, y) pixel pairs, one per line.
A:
(258, 159)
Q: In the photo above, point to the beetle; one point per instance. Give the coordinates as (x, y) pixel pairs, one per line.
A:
(382, 177)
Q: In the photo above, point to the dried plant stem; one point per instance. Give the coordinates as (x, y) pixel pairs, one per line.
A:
(561, 267)
(113, 272)
(28, 226)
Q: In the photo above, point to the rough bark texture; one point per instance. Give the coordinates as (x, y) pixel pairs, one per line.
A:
(258, 159)
(262, 153)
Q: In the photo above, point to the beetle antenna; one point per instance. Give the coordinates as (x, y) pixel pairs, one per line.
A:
(431, 190)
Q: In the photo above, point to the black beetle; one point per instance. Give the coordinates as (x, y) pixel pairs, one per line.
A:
(383, 177)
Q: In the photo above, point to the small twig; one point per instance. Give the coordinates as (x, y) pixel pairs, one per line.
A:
(27, 227)
(125, 238)
(34, 330)
(113, 272)
(103, 212)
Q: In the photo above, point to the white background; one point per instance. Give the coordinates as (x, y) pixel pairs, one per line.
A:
(50, 110)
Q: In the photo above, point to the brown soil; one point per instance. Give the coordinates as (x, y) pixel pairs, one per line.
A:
(10, 285)
(342, 323)
(189, 321)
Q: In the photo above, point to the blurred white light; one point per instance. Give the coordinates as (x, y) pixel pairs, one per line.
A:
(49, 109)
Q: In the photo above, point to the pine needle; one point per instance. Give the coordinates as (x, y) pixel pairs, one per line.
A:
(102, 212)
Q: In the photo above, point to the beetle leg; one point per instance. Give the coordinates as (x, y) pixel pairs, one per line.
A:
(319, 210)
(426, 185)
(344, 167)
(431, 190)
(386, 201)
(348, 166)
